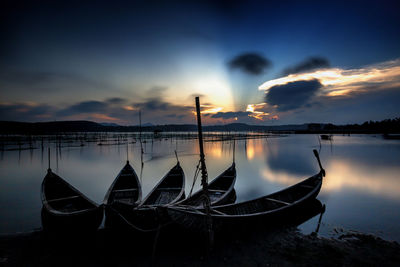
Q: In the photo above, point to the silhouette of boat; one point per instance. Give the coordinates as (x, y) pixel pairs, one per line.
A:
(220, 190)
(125, 193)
(65, 208)
(169, 190)
(142, 216)
(274, 208)
(125, 189)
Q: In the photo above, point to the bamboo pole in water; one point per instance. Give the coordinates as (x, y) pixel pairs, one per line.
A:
(204, 176)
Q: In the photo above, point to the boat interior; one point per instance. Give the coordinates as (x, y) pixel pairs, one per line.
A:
(168, 190)
(62, 197)
(274, 201)
(126, 188)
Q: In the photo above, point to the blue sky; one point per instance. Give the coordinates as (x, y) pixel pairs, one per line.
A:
(105, 61)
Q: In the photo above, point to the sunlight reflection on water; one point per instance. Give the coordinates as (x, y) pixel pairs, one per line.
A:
(361, 189)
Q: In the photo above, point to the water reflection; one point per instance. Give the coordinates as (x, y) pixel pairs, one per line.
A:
(378, 180)
(360, 170)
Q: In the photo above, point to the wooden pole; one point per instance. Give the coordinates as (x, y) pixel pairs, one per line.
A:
(204, 177)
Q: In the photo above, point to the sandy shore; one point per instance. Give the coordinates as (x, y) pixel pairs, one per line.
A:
(284, 247)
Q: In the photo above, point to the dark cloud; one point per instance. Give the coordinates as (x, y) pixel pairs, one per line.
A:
(154, 104)
(84, 107)
(158, 104)
(251, 63)
(230, 115)
(115, 100)
(24, 112)
(292, 95)
(311, 63)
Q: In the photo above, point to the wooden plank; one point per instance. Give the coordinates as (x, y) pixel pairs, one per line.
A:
(63, 198)
(124, 190)
(278, 201)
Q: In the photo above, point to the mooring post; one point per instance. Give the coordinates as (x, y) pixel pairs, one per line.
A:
(204, 176)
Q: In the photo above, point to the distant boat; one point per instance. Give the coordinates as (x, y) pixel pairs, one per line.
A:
(326, 137)
(65, 208)
(220, 190)
(273, 208)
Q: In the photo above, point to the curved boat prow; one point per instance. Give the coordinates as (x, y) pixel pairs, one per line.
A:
(319, 162)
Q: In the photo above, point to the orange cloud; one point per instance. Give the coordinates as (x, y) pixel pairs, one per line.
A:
(259, 115)
(342, 82)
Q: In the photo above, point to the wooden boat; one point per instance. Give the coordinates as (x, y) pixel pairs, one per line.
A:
(143, 216)
(221, 190)
(65, 208)
(125, 193)
(169, 190)
(274, 208)
(125, 189)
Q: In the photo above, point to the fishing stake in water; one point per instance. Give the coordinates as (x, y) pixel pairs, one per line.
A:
(204, 175)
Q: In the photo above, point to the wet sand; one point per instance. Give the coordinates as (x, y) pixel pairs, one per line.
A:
(280, 247)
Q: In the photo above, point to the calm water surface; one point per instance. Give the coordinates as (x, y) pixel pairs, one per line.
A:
(361, 190)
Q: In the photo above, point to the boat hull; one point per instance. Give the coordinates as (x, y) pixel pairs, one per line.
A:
(80, 222)
(197, 220)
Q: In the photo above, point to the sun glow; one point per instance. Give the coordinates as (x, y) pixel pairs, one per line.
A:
(130, 108)
(259, 115)
(211, 110)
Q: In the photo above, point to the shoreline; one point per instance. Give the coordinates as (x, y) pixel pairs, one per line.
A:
(251, 248)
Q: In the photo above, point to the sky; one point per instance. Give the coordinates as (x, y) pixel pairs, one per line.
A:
(255, 62)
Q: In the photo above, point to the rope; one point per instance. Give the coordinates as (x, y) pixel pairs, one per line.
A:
(196, 174)
(135, 227)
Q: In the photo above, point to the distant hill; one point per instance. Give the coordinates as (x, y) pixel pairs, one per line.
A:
(109, 124)
(12, 127)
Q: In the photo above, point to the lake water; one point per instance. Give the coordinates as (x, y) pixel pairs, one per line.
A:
(361, 190)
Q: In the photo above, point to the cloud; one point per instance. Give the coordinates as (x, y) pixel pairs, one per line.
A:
(157, 110)
(344, 83)
(345, 95)
(250, 63)
(153, 109)
(84, 107)
(25, 112)
(154, 104)
(311, 63)
(116, 100)
(229, 115)
(292, 95)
